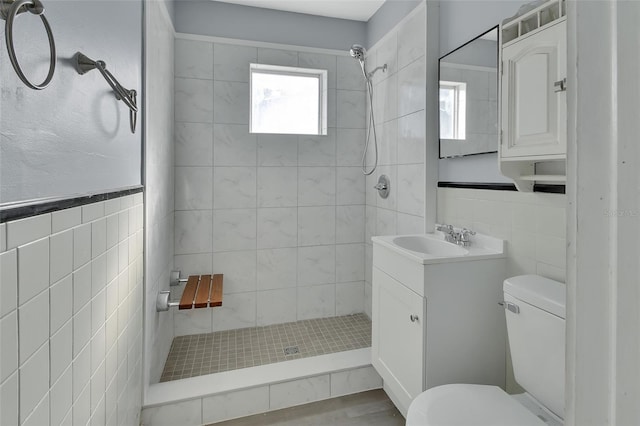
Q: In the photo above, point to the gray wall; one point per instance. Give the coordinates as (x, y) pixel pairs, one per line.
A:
(387, 17)
(265, 25)
(73, 137)
(460, 21)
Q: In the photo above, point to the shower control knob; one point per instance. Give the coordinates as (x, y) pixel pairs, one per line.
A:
(413, 318)
(383, 186)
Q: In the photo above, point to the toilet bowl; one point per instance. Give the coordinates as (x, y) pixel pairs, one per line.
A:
(535, 312)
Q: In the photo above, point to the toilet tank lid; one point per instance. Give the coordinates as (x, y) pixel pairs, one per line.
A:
(544, 293)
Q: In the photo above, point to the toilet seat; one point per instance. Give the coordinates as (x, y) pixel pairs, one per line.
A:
(468, 405)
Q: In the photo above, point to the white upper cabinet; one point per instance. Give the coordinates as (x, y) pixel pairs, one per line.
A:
(534, 101)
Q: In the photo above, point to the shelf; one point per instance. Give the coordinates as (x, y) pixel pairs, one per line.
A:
(542, 16)
(544, 178)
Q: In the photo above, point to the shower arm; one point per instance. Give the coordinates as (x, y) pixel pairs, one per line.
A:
(376, 69)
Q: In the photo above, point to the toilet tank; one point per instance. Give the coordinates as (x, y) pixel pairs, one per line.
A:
(536, 330)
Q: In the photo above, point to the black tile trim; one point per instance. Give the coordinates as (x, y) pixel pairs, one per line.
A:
(38, 207)
(550, 189)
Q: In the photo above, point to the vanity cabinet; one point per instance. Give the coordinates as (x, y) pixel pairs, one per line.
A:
(436, 321)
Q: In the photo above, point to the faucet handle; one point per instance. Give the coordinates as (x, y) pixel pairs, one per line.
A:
(448, 229)
(466, 231)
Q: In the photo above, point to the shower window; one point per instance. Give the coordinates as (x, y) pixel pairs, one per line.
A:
(288, 100)
(453, 110)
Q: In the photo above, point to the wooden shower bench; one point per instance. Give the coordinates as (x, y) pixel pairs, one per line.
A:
(202, 291)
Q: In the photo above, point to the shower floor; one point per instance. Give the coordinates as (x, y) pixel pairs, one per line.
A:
(201, 354)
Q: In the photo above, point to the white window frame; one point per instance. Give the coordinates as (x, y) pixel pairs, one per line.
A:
(321, 75)
(459, 107)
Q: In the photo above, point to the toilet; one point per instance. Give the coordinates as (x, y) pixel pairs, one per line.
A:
(535, 315)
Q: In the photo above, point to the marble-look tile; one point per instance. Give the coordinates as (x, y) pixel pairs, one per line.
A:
(388, 143)
(277, 227)
(193, 188)
(186, 413)
(386, 100)
(276, 306)
(350, 224)
(412, 38)
(193, 100)
(231, 62)
(353, 381)
(233, 145)
(33, 268)
(411, 189)
(368, 303)
(277, 268)
(317, 150)
(277, 186)
(297, 392)
(349, 75)
(193, 232)
(349, 262)
(192, 321)
(26, 230)
(234, 229)
(332, 108)
(237, 311)
(193, 144)
(230, 102)
(322, 62)
(350, 188)
(370, 223)
(410, 224)
(386, 223)
(350, 106)
(239, 269)
(411, 138)
(34, 381)
(9, 353)
(234, 187)
(316, 265)
(277, 57)
(316, 225)
(316, 186)
(232, 405)
(277, 150)
(349, 146)
(9, 280)
(191, 264)
(387, 53)
(412, 88)
(193, 59)
(33, 318)
(316, 301)
(349, 298)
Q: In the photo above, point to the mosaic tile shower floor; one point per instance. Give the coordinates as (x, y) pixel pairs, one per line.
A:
(201, 354)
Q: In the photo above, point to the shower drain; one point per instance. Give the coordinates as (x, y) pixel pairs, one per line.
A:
(290, 350)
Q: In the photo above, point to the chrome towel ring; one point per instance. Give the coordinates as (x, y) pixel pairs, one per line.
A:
(84, 64)
(9, 9)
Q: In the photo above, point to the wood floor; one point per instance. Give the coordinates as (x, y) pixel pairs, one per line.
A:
(371, 408)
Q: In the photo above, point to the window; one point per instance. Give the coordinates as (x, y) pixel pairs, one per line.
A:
(288, 100)
(453, 110)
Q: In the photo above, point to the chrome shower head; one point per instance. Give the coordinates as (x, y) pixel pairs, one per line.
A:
(357, 51)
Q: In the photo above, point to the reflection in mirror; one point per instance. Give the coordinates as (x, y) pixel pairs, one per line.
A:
(469, 98)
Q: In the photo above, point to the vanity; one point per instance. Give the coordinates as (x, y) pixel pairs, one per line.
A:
(435, 315)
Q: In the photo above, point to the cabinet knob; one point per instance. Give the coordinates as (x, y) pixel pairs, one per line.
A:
(413, 318)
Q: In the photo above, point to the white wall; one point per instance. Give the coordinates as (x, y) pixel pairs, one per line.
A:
(73, 137)
(400, 113)
(71, 316)
(159, 182)
(281, 216)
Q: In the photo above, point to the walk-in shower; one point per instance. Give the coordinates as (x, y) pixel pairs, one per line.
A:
(359, 52)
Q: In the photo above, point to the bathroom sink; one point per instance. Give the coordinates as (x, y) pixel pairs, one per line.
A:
(429, 245)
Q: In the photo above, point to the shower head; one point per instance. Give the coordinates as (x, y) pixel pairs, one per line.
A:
(357, 52)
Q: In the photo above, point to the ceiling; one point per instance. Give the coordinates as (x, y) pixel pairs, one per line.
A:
(358, 10)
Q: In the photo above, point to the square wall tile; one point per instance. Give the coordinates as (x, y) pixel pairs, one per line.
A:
(193, 59)
(34, 381)
(33, 269)
(316, 186)
(61, 397)
(231, 62)
(412, 39)
(277, 268)
(349, 298)
(350, 109)
(350, 188)
(353, 381)
(277, 150)
(66, 219)
(191, 264)
(230, 102)
(193, 144)
(350, 222)
(193, 232)
(277, 186)
(9, 401)
(81, 329)
(316, 225)
(411, 187)
(317, 301)
(277, 57)
(349, 74)
(98, 274)
(192, 321)
(317, 150)
(412, 89)
(349, 262)
(8, 353)
(9, 280)
(237, 311)
(277, 227)
(234, 230)
(40, 415)
(316, 265)
(233, 145)
(33, 317)
(411, 138)
(81, 287)
(239, 269)
(61, 345)
(276, 306)
(61, 248)
(320, 61)
(61, 303)
(350, 146)
(299, 392)
(234, 187)
(81, 245)
(193, 188)
(193, 100)
(3, 237)
(24, 231)
(93, 211)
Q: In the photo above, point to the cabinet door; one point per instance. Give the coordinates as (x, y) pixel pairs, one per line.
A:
(397, 338)
(534, 107)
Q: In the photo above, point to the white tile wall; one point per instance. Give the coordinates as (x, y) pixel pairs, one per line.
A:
(278, 207)
(534, 224)
(399, 108)
(52, 323)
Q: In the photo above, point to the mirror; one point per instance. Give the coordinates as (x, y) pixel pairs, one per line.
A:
(469, 97)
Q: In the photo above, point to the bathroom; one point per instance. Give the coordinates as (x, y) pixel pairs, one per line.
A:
(94, 218)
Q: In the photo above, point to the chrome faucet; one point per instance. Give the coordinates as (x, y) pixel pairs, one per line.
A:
(462, 238)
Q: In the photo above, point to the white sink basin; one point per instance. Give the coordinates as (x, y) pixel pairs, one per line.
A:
(429, 245)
